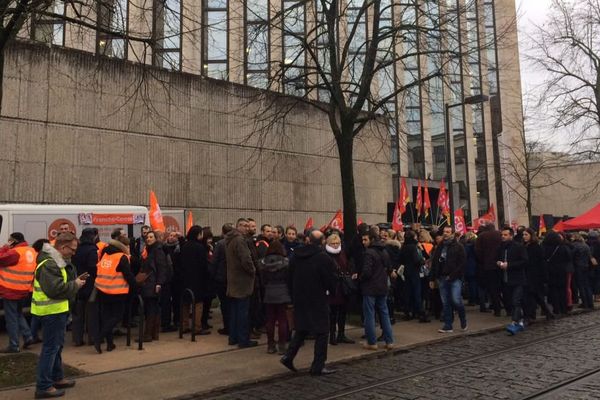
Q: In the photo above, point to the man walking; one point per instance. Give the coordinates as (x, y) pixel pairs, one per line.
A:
(55, 285)
(313, 276)
(240, 284)
(512, 261)
(17, 264)
(448, 268)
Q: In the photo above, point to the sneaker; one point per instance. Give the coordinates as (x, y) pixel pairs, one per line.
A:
(464, 326)
(389, 346)
(445, 330)
(367, 346)
(520, 327)
(512, 329)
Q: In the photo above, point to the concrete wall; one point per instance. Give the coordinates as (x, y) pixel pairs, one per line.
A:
(80, 129)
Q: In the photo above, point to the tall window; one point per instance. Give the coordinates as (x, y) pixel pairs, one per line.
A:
(167, 34)
(214, 44)
(474, 61)
(50, 29)
(294, 57)
(322, 48)
(490, 44)
(113, 21)
(257, 43)
(357, 19)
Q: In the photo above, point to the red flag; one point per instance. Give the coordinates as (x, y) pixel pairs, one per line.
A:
(419, 205)
(403, 199)
(189, 221)
(426, 201)
(309, 224)
(360, 221)
(156, 219)
(397, 224)
(443, 201)
(559, 226)
(492, 213)
(542, 225)
(489, 217)
(459, 221)
(337, 221)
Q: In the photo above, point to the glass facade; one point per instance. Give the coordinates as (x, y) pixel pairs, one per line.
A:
(215, 62)
(50, 30)
(167, 32)
(257, 43)
(112, 16)
(489, 17)
(294, 56)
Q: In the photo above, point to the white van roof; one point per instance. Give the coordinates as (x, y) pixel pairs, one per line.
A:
(71, 208)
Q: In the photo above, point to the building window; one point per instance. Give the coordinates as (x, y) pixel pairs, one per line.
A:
(257, 43)
(356, 14)
(214, 43)
(113, 21)
(489, 18)
(322, 49)
(167, 34)
(50, 29)
(294, 56)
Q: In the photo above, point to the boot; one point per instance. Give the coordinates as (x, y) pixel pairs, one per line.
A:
(423, 318)
(281, 348)
(148, 329)
(198, 322)
(271, 349)
(185, 317)
(332, 337)
(156, 327)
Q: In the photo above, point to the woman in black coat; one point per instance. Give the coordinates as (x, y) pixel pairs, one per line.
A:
(537, 276)
(152, 276)
(196, 277)
(558, 259)
(412, 260)
(84, 312)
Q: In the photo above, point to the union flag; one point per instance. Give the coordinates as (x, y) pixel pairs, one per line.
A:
(419, 204)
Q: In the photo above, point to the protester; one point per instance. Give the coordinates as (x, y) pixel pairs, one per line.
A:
(558, 259)
(471, 269)
(55, 286)
(218, 272)
(582, 256)
(209, 285)
(413, 260)
(338, 299)
(290, 242)
(312, 277)
(486, 249)
(170, 293)
(274, 272)
(537, 276)
(17, 266)
(113, 282)
(448, 267)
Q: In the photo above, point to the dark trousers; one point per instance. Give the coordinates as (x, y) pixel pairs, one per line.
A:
(110, 315)
(582, 280)
(515, 294)
(337, 317)
(276, 313)
(207, 302)
(492, 279)
(534, 296)
(239, 328)
(320, 352)
(224, 305)
(176, 291)
(413, 294)
(166, 305)
(256, 311)
(50, 367)
(151, 307)
(85, 318)
(557, 294)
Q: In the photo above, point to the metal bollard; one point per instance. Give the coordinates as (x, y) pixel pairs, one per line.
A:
(193, 300)
(141, 324)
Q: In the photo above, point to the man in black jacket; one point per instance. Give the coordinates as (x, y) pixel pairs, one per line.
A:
(313, 277)
(512, 261)
(448, 268)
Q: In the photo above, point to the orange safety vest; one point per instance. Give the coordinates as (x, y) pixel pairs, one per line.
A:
(427, 247)
(108, 280)
(101, 246)
(20, 277)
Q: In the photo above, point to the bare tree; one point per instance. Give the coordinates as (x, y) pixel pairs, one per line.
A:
(567, 48)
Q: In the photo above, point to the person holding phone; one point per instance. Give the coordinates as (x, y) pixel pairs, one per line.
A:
(55, 286)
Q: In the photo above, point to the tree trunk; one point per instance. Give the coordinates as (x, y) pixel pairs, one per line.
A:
(345, 144)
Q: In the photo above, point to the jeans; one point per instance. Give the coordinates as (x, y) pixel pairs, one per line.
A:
(450, 293)
(370, 303)
(50, 368)
(15, 323)
(239, 328)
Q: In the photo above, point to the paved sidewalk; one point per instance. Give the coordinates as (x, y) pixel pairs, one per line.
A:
(175, 367)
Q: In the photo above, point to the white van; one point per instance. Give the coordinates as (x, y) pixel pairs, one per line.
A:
(38, 221)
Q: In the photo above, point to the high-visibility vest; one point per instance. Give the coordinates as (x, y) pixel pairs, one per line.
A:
(101, 246)
(108, 279)
(20, 277)
(43, 305)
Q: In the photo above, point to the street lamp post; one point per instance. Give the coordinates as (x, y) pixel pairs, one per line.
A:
(480, 98)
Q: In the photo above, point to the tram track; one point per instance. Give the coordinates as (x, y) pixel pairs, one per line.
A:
(557, 391)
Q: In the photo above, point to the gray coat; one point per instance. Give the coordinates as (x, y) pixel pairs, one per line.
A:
(50, 276)
(274, 273)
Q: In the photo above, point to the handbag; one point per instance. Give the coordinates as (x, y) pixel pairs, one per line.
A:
(141, 277)
(349, 286)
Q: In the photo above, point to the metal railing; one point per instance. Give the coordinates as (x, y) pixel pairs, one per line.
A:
(140, 325)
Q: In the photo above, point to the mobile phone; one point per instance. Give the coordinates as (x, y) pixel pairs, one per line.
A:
(84, 276)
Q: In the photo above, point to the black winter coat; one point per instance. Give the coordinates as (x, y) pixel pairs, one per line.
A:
(218, 265)
(516, 255)
(486, 250)
(581, 256)
(453, 266)
(86, 260)
(537, 272)
(194, 269)
(274, 276)
(411, 259)
(156, 266)
(377, 266)
(559, 260)
(312, 277)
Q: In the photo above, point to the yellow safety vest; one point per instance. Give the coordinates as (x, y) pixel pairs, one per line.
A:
(43, 305)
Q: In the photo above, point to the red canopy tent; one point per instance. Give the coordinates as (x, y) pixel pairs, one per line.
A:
(587, 220)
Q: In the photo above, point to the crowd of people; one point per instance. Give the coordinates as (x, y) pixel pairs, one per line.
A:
(290, 285)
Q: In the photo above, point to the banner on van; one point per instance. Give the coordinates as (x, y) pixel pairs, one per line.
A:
(111, 219)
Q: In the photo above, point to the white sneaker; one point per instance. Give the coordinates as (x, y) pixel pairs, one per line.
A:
(443, 330)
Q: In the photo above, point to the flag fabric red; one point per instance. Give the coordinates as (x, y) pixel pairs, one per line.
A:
(156, 219)
(559, 226)
(397, 224)
(309, 224)
(337, 222)
(403, 199)
(443, 201)
(189, 221)
(419, 203)
(489, 217)
(542, 225)
(360, 221)
(426, 201)
(459, 221)
(492, 212)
